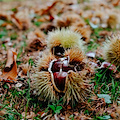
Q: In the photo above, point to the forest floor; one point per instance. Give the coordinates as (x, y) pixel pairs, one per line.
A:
(24, 27)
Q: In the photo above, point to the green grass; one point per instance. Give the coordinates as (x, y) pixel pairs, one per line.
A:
(55, 107)
(106, 83)
(104, 80)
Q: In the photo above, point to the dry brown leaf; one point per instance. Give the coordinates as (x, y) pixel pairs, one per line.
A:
(16, 21)
(36, 40)
(25, 68)
(116, 2)
(46, 27)
(4, 15)
(67, 19)
(49, 7)
(21, 19)
(10, 71)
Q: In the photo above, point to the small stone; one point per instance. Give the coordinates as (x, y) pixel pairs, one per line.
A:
(9, 43)
(90, 54)
(18, 85)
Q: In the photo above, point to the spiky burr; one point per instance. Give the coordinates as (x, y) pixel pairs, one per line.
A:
(112, 49)
(62, 76)
(60, 40)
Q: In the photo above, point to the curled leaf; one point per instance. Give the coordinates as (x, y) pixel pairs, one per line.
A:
(10, 71)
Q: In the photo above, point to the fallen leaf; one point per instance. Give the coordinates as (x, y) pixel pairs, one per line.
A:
(3, 15)
(21, 19)
(36, 40)
(25, 68)
(48, 8)
(10, 71)
(116, 2)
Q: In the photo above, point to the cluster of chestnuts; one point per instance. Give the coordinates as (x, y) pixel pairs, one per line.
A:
(59, 70)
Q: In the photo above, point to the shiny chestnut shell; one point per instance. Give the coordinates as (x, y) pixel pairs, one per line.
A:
(60, 79)
(59, 70)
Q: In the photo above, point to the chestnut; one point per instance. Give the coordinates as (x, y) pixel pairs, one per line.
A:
(59, 79)
(56, 66)
(64, 77)
(61, 63)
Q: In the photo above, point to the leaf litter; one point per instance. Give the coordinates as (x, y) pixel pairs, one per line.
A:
(25, 25)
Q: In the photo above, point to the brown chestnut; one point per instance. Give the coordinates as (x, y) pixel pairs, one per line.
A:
(59, 79)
